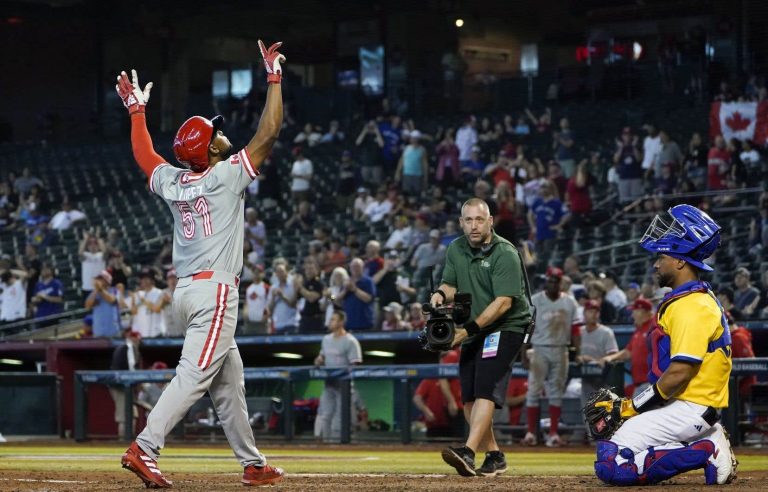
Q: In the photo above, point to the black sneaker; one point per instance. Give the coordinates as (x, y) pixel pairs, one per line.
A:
(494, 464)
(463, 459)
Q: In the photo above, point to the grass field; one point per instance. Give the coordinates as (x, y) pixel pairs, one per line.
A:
(89, 466)
(197, 459)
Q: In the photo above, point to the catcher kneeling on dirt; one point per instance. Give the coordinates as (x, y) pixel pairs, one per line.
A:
(672, 427)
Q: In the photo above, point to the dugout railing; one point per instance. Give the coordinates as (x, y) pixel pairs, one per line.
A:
(403, 376)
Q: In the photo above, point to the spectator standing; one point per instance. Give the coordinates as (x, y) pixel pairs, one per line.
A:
(556, 321)
(23, 184)
(357, 297)
(391, 133)
(256, 312)
(338, 349)
(174, 326)
(301, 176)
(413, 168)
(474, 167)
(746, 295)
(333, 293)
(426, 257)
(563, 145)
(147, 307)
(597, 342)
(373, 259)
(348, 181)
(391, 284)
(447, 159)
(48, 297)
(596, 291)
(577, 195)
(466, 138)
(310, 288)
(92, 253)
(695, 162)
(669, 155)
(415, 320)
(63, 219)
(282, 302)
(13, 298)
(371, 145)
(105, 305)
(651, 147)
(741, 348)
(118, 269)
(629, 168)
(546, 218)
(255, 231)
(269, 184)
(636, 350)
(718, 165)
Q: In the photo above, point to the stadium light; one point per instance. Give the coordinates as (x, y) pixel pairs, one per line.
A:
(287, 355)
(12, 362)
(459, 22)
(380, 353)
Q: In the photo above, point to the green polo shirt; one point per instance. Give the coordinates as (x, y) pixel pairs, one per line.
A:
(487, 273)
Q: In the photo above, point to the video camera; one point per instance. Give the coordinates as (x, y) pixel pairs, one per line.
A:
(438, 334)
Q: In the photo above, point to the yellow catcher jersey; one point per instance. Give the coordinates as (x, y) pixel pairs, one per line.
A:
(692, 323)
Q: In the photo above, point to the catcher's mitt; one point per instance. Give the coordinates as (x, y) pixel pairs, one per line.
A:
(602, 422)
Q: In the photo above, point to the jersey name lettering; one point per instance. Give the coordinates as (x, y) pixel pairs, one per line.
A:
(190, 193)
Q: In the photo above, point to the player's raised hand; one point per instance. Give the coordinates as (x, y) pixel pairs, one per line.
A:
(134, 99)
(272, 60)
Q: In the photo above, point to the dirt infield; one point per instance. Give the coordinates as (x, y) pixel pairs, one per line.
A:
(125, 481)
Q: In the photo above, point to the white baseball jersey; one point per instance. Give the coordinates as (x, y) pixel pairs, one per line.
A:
(554, 319)
(208, 210)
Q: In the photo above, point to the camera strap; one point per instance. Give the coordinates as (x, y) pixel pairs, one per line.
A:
(528, 329)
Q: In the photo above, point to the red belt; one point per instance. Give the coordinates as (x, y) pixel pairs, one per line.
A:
(207, 274)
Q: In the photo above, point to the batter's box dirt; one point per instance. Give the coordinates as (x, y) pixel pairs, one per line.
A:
(330, 482)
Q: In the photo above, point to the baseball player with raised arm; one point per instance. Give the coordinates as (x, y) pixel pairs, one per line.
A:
(206, 201)
(672, 427)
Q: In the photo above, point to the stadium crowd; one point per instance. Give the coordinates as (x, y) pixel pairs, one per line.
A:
(407, 182)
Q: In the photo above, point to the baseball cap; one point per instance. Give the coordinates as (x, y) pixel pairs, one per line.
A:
(88, 320)
(105, 275)
(393, 253)
(434, 233)
(554, 272)
(393, 307)
(415, 134)
(451, 357)
(146, 272)
(159, 365)
(641, 303)
(633, 285)
(362, 189)
(591, 304)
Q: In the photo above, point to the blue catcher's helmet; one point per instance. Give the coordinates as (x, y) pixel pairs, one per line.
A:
(686, 233)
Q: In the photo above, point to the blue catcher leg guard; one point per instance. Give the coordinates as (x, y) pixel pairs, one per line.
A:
(611, 472)
(663, 464)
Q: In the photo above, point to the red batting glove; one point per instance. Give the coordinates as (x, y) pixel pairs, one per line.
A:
(272, 60)
(134, 99)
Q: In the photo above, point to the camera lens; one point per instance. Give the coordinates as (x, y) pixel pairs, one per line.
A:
(440, 330)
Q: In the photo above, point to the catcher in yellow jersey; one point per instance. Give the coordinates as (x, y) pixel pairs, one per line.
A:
(673, 427)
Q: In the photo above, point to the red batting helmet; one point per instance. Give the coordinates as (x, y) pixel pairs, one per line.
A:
(192, 140)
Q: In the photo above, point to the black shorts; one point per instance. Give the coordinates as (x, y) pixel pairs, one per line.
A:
(488, 378)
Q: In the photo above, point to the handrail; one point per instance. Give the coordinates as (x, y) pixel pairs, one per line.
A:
(34, 321)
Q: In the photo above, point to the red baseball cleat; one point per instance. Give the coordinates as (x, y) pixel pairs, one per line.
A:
(144, 467)
(264, 475)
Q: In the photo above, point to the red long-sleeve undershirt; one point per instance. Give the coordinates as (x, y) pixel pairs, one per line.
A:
(141, 142)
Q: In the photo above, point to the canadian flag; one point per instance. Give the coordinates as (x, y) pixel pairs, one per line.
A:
(741, 120)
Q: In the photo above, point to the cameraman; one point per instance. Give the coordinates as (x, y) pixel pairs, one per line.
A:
(488, 267)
